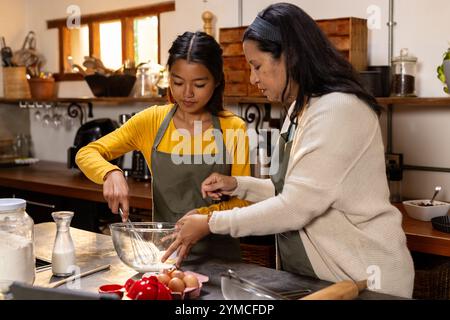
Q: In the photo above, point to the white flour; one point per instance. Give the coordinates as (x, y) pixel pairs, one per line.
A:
(151, 257)
(16, 260)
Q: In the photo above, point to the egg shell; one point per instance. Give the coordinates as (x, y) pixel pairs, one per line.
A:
(191, 281)
(176, 285)
(164, 278)
(177, 274)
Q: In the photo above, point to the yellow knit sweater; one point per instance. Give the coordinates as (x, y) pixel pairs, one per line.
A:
(139, 133)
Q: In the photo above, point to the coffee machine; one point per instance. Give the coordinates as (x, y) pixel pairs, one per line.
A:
(90, 132)
(139, 169)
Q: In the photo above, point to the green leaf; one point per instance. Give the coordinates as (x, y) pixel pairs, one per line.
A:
(447, 55)
(441, 74)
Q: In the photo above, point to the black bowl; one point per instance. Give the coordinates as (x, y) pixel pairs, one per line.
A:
(112, 86)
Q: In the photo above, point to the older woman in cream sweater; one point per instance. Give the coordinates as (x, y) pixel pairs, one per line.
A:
(328, 199)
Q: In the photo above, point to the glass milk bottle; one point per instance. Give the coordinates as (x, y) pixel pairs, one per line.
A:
(63, 257)
(17, 260)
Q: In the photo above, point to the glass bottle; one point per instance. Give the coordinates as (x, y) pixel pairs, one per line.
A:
(22, 146)
(63, 256)
(17, 259)
(144, 84)
(404, 75)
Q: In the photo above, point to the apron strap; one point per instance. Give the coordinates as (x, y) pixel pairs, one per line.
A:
(163, 127)
(217, 132)
(218, 137)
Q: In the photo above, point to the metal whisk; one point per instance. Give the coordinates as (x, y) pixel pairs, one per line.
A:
(145, 252)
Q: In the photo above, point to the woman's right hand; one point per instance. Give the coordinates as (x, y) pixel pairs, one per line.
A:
(217, 185)
(115, 192)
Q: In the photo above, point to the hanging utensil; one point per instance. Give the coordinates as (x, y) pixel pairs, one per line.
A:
(6, 54)
(28, 49)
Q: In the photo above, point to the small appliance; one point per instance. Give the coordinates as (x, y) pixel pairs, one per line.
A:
(90, 132)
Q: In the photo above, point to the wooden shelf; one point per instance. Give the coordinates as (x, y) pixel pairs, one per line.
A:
(105, 100)
(422, 237)
(245, 100)
(419, 101)
(415, 101)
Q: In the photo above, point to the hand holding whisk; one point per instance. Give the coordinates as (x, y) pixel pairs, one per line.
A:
(144, 251)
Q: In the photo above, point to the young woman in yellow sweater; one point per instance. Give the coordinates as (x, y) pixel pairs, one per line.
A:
(182, 142)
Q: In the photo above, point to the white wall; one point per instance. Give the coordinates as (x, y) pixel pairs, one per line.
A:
(422, 26)
(13, 26)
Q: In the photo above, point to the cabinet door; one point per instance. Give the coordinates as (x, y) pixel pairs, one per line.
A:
(40, 207)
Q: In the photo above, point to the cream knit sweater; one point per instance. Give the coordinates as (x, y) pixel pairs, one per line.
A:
(336, 194)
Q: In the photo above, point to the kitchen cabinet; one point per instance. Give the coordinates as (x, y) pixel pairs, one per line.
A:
(50, 186)
(89, 215)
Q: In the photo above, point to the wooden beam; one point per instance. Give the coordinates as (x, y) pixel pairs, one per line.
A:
(65, 48)
(149, 10)
(127, 39)
(159, 40)
(94, 40)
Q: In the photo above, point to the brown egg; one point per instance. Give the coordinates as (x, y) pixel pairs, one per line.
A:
(177, 274)
(176, 285)
(191, 281)
(164, 278)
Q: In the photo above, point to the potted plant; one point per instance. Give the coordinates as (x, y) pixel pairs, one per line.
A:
(444, 71)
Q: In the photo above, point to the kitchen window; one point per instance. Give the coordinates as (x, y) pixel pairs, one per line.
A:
(113, 37)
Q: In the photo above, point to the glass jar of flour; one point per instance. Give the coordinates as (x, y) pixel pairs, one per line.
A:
(17, 260)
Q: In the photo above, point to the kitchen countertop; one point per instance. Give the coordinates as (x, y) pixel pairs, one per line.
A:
(93, 250)
(56, 179)
(422, 237)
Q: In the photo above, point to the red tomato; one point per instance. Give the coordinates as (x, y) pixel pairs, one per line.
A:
(148, 292)
(129, 284)
(148, 288)
(135, 289)
(164, 292)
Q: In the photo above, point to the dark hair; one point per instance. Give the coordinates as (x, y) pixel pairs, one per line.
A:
(310, 58)
(201, 48)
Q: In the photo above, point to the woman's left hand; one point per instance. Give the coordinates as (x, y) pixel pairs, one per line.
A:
(192, 228)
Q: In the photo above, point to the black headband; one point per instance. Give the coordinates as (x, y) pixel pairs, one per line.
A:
(266, 30)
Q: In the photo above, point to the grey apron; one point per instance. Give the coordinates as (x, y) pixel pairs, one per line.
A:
(290, 250)
(176, 189)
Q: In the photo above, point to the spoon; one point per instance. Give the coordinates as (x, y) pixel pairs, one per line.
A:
(436, 191)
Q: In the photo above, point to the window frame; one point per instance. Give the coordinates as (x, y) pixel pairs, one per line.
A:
(126, 16)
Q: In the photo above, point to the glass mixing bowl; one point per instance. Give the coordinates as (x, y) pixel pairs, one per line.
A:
(140, 245)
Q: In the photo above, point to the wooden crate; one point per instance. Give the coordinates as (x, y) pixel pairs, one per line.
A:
(349, 35)
(231, 35)
(236, 68)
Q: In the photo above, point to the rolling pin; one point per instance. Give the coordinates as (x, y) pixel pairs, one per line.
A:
(343, 290)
